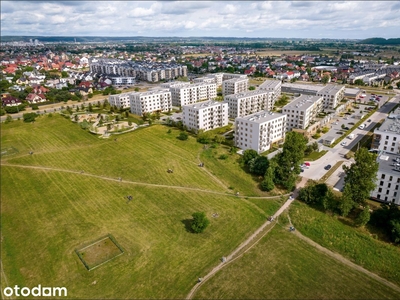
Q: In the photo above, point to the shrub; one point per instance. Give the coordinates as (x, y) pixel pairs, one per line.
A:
(183, 136)
(223, 156)
(200, 222)
(29, 117)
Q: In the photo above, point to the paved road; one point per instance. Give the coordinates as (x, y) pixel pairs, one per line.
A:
(335, 154)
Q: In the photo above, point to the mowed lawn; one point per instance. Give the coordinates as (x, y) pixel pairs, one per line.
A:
(355, 244)
(283, 266)
(143, 156)
(230, 172)
(46, 215)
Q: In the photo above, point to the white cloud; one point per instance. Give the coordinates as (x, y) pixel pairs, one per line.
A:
(340, 19)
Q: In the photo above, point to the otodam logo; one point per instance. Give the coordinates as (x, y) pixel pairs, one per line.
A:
(37, 291)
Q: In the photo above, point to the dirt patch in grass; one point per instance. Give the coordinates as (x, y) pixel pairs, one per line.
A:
(99, 252)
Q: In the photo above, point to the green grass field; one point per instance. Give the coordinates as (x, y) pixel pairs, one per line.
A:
(283, 266)
(49, 208)
(355, 244)
(48, 213)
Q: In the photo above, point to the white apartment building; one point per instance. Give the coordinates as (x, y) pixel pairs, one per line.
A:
(126, 80)
(234, 86)
(150, 101)
(388, 179)
(205, 115)
(386, 138)
(205, 79)
(302, 111)
(120, 100)
(258, 131)
(192, 93)
(249, 102)
(167, 85)
(332, 95)
(274, 86)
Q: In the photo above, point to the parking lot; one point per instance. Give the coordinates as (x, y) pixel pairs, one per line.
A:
(349, 120)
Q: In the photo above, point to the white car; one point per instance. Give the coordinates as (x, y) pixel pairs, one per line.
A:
(343, 143)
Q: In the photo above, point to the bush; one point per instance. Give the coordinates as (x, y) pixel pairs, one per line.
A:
(183, 136)
(29, 117)
(200, 222)
(223, 156)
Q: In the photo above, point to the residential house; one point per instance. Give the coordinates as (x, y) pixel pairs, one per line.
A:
(33, 98)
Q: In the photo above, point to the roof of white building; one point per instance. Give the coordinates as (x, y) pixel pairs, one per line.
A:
(270, 84)
(247, 94)
(304, 86)
(331, 89)
(391, 124)
(261, 117)
(205, 104)
(303, 102)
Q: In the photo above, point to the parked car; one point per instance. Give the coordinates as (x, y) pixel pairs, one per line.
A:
(343, 143)
(369, 120)
(328, 167)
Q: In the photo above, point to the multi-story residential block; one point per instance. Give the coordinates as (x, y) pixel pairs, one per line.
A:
(205, 115)
(152, 72)
(260, 130)
(386, 138)
(205, 79)
(150, 101)
(302, 111)
(122, 80)
(167, 85)
(332, 95)
(388, 179)
(120, 100)
(274, 86)
(185, 94)
(249, 102)
(386, 141)
(301, 88)
(234, 86)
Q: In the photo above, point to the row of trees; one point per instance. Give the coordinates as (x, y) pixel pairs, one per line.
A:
(360, 181)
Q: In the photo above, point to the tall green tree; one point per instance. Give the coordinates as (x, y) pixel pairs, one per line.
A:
(259, 165)
(248, 155)
(363, 218)
(361, 176)
(268, 183)
(290, 159)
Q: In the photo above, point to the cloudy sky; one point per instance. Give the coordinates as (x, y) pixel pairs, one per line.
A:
(288, 19)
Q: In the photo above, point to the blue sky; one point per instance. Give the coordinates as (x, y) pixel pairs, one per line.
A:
(285, 19)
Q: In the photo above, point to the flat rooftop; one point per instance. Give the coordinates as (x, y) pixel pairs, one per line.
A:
(331, 89)
(205, 104)
(351, 91)
(387, 162)
(261, 117)
(303, 102)
(270, 84)
(303, 87)
(236, 80)
(247, 94)
(390, 125)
